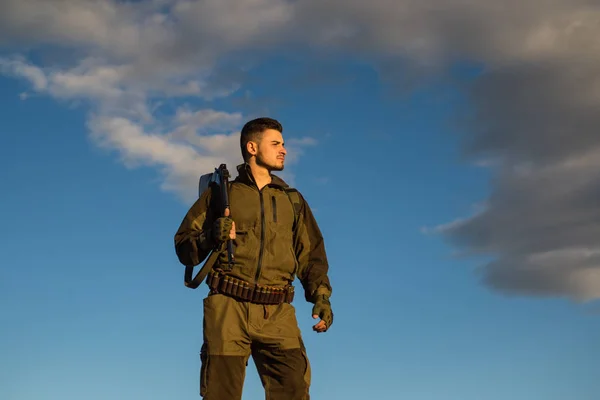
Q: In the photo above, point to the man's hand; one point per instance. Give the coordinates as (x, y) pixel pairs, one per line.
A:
(224, 228)
(322, 309)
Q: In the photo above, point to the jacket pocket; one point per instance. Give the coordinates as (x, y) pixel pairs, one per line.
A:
(238, 245)
(274, 208)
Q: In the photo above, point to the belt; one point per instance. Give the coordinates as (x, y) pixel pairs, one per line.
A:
(254, 293)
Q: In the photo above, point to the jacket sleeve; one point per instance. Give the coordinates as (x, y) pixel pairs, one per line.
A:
(193, 240)
(310, 253)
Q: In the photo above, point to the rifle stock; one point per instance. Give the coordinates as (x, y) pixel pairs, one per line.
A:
(220, 177)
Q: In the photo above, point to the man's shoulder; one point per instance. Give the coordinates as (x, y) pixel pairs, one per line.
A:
(295, 197)
(292, 192)
(290, 189)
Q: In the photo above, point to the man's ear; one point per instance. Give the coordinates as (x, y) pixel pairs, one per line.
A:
(252, 148)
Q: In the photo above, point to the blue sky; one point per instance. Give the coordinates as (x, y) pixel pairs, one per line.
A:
(92, 295)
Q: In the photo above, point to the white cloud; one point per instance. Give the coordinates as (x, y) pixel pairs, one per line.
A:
(128, 57)
(19, 68)
(535, 121)
(180, 163)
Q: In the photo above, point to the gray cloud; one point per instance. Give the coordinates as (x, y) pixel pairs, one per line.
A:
(533, 124)
(539, 125)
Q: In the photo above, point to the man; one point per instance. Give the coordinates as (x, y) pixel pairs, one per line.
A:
(247, 311)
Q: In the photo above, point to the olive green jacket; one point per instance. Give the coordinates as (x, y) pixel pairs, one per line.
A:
(273, 243)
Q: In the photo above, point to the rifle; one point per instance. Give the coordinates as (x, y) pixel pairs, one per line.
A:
(219, 182)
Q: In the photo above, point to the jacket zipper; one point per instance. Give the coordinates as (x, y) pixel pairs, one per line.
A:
(262, 236)
(274, 207)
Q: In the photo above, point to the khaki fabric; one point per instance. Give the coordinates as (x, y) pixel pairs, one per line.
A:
(272, 246)
(234, 331)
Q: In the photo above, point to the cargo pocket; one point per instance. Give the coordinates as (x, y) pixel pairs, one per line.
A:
(204, 360)
(307, 371)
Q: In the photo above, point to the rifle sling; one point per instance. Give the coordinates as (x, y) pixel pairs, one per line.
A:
(206, 268)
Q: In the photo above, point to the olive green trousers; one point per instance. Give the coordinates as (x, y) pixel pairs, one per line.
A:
(235, 330)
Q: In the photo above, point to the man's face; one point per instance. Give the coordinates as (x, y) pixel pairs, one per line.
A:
(271, 151)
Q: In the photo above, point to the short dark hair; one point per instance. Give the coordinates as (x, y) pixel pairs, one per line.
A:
(252, 132)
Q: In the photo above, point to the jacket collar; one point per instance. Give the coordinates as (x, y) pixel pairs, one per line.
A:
(245, 176)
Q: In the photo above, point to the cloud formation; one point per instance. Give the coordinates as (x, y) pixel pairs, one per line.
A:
(127, 59)
(533, 122)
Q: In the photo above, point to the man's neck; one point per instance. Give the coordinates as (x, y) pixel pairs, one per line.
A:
(261, 175)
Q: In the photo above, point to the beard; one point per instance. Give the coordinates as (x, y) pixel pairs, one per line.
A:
(270, 166)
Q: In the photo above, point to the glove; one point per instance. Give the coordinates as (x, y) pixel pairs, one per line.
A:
(322, 309)
(221, 228)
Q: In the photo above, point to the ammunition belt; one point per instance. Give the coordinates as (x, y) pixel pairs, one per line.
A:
(245, 291)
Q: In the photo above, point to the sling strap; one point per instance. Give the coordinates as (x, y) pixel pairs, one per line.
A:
(197, 280)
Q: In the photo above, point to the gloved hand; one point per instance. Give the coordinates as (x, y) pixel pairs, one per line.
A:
(322, 309)
(223, 229)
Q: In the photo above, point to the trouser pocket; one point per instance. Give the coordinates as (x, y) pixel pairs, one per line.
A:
(204, 360)
(307, 371)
